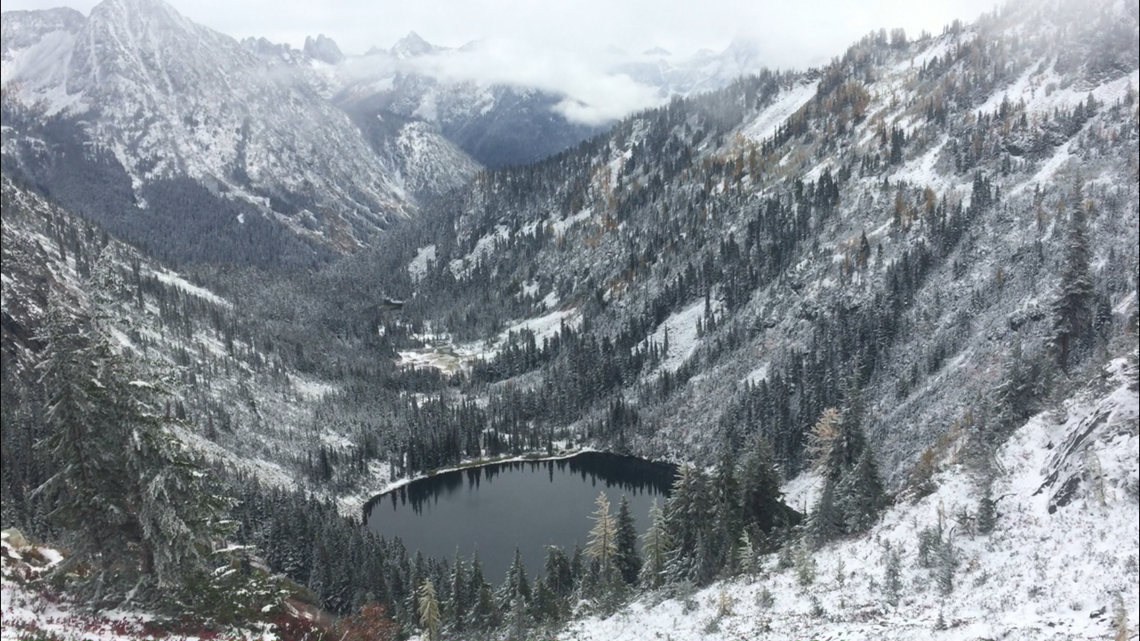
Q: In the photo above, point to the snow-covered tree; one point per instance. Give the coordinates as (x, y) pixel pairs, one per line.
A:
(728, 522)
(458, 603)
(559, 574)
(654, 548)
(688, 525)
(125, 489)
(484, 613)
(88, 492)
(626, 559)
(826, 521)
(429, 610)
(515, 585)
(861, 494)
(1073, 307)
(760, 494)
(853, 494)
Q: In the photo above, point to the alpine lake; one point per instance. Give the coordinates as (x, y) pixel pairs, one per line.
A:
(530, 505)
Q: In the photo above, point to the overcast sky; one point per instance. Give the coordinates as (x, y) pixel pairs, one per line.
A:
(798, 33)
(560, 45)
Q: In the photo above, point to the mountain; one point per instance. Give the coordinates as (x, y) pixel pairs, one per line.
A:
(323, 48)
(245, 404)
(413, 46)
(1044, 573)
(504, 123)
(898, 292)
(174, 119)
(701, 72)
(898, 216)
(495, 123)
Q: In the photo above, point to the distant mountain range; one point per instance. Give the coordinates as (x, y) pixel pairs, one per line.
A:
(206, 149)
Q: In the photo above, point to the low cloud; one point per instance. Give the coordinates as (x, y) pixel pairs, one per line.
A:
(592, 95)
(560, 46)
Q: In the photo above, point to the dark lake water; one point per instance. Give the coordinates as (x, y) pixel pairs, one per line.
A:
(530, 504)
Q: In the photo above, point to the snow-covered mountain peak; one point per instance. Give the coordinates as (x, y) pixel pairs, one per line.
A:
(22, 29)
(171, 99)
(413, 46)
(147, 44)
(323, 48)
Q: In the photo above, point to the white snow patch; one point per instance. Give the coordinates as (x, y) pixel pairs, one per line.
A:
(757, 375)
(765, 124)
(419, 265)
(561, 225)
(681, 329)
(170, 278)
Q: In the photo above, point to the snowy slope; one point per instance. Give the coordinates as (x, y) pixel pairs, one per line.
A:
(32, 609)
(1041, 575)
(246, 418)
(169, 98)
(1001, 105)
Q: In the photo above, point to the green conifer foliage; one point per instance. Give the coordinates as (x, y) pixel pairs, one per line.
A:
(626, 559)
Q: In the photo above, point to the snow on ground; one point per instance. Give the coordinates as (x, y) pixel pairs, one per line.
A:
(170, 278)
(419, 265)
(551, 300)
(757, 375)
(560, 225)
(1039, 576)
(765, 124)
(441, 353)
(545, 327)
(923, 172)
(311, 390)
(460, 267)
(681, 328)
(800, 492)
(29, 613)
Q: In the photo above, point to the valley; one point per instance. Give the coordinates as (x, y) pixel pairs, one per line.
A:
(880, 315)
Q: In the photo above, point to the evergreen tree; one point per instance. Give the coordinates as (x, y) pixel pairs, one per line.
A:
(484, 614)
(861, 495)
(429, 610)
(1073, 308)
(688, 523)
(577, 564)
(626, 559)
(88, 492)
(892, 577)
(655, 548)
(826, 521)
(728, 523)
(603, 537)
(546, 603)
(760, 486)
(515, 585)
(987, 509)
(853, 494)
(458, 603)
(559, 574)
(137, 507)
(515, 597)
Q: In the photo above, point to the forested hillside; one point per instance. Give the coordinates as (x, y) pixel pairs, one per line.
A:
(895, 290)
(908, 216)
